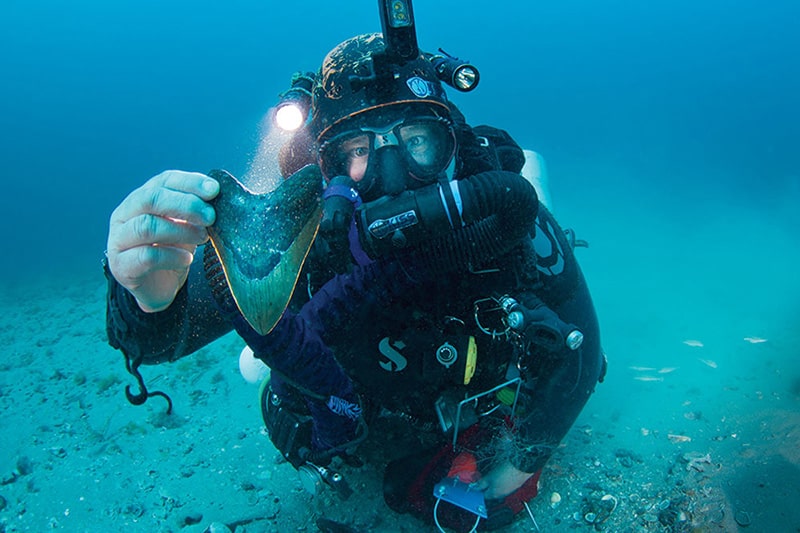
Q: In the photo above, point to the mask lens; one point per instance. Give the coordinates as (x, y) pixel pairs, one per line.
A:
(346, 155)
(427, 145)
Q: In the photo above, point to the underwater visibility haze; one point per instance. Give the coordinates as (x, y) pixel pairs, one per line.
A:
(670, 132)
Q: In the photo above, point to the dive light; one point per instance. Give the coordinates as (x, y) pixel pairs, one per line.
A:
(295, 103)
(399, 33)
(458, 74)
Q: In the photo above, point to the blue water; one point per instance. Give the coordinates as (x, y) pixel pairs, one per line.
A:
(97, 96)
(670, 128)
(693, 101)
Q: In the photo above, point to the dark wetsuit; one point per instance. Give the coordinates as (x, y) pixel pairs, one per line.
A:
(382, 328)
(375, 333)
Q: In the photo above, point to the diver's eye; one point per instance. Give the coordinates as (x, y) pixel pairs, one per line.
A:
(417, 142)
(416, 138)
(355, 148)
(358, 151)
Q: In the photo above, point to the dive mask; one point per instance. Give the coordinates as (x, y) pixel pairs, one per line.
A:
(425, 145)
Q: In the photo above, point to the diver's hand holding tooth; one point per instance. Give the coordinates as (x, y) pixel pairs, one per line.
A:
(154, 232)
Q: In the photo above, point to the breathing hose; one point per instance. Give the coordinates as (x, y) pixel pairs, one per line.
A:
(449, 225)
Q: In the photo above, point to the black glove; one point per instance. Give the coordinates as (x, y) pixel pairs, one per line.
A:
(288, 428)
(339, 202)
(299, 438)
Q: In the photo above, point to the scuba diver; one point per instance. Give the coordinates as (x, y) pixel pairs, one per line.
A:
(442, 305)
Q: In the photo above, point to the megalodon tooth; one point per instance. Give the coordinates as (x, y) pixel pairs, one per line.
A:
(262, 241)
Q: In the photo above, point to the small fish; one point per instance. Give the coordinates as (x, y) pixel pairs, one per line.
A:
(647, 378)
(668, 369)
(755, 340)
(708, 362)
(679, 438)
(642, 368)
(693, 343)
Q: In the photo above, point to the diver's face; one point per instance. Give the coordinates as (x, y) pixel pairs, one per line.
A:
(356, 154)
(419, 141)
(392, 157)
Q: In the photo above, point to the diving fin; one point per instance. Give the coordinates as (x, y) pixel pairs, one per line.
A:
(262, 241)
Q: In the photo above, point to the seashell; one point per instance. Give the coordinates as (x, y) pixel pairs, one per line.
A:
(612, 499)
(742, 518)
(679, 438)
(555, 499)
(590, 517)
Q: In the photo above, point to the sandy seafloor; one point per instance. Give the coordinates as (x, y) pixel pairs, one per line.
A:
(710, 443)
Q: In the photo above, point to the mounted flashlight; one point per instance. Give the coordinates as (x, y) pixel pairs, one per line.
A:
(453, 71)
(295, 103)
(399, 33)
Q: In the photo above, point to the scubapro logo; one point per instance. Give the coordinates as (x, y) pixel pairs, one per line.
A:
(419, 87)
(396, 362)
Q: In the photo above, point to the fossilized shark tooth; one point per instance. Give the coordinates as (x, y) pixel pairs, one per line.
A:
(262, 241)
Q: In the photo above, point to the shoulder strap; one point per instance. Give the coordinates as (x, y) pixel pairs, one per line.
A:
(502, 148)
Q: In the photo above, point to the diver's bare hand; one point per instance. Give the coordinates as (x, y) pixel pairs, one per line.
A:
(154, 233)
